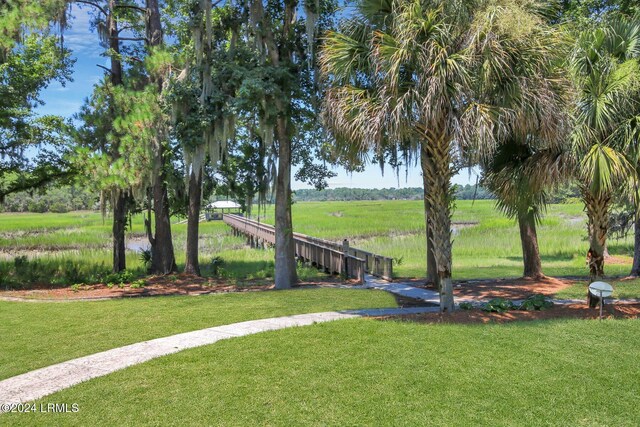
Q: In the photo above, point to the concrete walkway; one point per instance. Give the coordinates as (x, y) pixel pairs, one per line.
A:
(42, 382)
(402, 289)
(433, 297)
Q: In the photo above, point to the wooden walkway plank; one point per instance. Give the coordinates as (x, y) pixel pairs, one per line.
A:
(335, 258)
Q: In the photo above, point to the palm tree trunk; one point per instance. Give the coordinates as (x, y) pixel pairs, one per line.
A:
(597, 207)
(440, 198)
(192, 265)
(635, 269)
(529, 240)
(285, 274)
(432, 271)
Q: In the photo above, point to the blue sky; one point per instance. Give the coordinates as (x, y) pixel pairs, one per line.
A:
(67, 100)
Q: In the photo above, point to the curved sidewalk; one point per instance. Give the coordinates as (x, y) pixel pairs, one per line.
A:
(42, 382)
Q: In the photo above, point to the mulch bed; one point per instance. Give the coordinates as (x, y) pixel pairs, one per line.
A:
(506, 288)
(183, 284)
(573, 311)
(178, 284)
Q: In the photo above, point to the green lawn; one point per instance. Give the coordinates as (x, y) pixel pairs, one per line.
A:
(35, 335)
(621, 289)
(366, 372)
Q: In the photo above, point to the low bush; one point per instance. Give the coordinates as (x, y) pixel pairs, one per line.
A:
(536, 302)
(465, 306)
(497, 305)
(216, 266)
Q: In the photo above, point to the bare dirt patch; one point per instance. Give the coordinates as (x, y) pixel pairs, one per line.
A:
(573, 311)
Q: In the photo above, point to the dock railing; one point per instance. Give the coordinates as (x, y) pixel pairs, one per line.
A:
(333, 257)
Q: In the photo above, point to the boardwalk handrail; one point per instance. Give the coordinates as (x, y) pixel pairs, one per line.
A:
(333, 257)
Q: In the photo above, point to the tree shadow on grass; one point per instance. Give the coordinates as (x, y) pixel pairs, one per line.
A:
(236, 269)
(43, 272)
(558, 256)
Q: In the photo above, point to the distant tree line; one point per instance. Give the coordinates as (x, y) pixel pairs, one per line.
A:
(466, 192)
(53, 199)
(74, 198)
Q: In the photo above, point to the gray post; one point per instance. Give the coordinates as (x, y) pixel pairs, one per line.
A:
(345, 250)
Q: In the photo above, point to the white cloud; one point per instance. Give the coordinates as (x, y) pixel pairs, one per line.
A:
(79, 37)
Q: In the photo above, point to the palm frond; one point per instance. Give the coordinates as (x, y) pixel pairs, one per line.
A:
(603, 168)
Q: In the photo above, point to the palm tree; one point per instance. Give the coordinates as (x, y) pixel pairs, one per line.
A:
(605, 69)
(532, 159)
(420, 74)
(520, 174)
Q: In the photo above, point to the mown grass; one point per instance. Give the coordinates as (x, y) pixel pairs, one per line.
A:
(365, 372)
(489, 249)
(39, 334)
(621, 289)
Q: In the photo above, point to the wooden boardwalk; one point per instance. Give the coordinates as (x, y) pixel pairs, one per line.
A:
(334, 258)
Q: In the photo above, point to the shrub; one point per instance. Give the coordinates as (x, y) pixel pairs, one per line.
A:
(216, 266)
(465, 306)
(536, 302)
(145, 257)
(58, 207)
(70, 272)
(497, 305)
(122, 277)
(38, 206)
(138, 284)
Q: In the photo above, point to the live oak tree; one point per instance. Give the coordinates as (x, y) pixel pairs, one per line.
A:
(31, 57)
(202, 100)
(285, 41)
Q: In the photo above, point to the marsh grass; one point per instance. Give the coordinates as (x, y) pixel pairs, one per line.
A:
(487, 246)
(489, 249)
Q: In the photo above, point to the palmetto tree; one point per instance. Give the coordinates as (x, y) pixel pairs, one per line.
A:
(605, 68)
(425, 75)
(535, 156)
(520, 175)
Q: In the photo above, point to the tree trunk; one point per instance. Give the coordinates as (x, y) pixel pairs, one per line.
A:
(119, 197)
(154, 24)
(530, 250)
(597, 207)
(432, 272)
(162, 254)
(635, 269)
(192, 265)
(119, 204)
(285, 274)
(440, 197)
